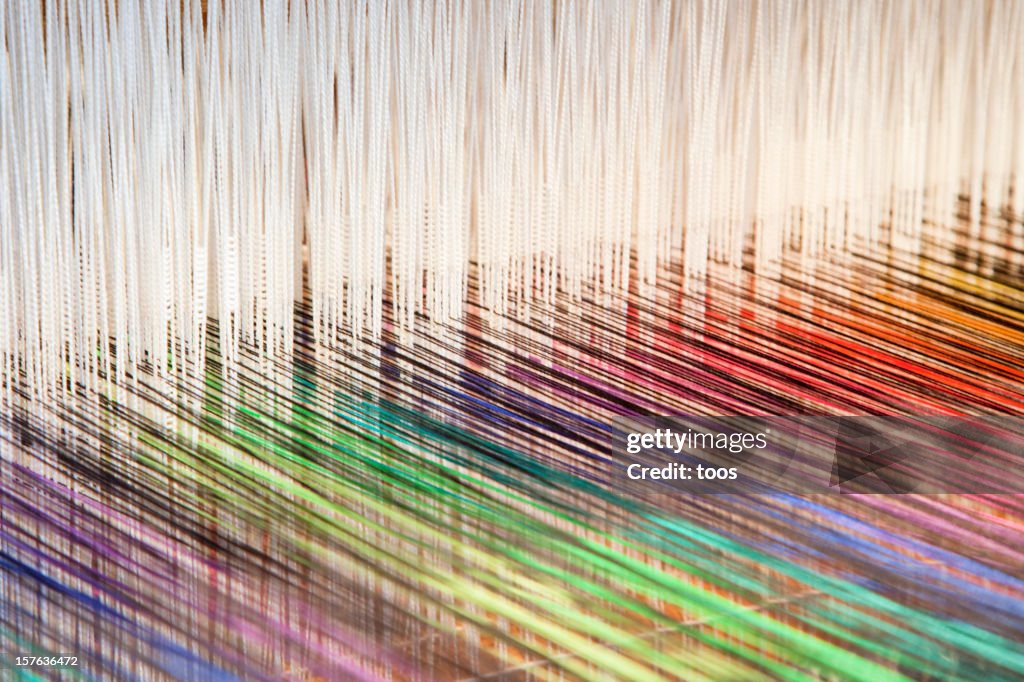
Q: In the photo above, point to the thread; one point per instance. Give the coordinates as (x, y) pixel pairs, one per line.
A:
(315, 318)
(160, 165)
(436, 509)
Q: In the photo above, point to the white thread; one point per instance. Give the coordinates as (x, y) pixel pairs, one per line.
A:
(156, 170)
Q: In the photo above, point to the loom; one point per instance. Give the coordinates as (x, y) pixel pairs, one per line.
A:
(320, 321)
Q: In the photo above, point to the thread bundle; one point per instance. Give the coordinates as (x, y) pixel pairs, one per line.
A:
(160, 165)
(316, 318)
(443, 510)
